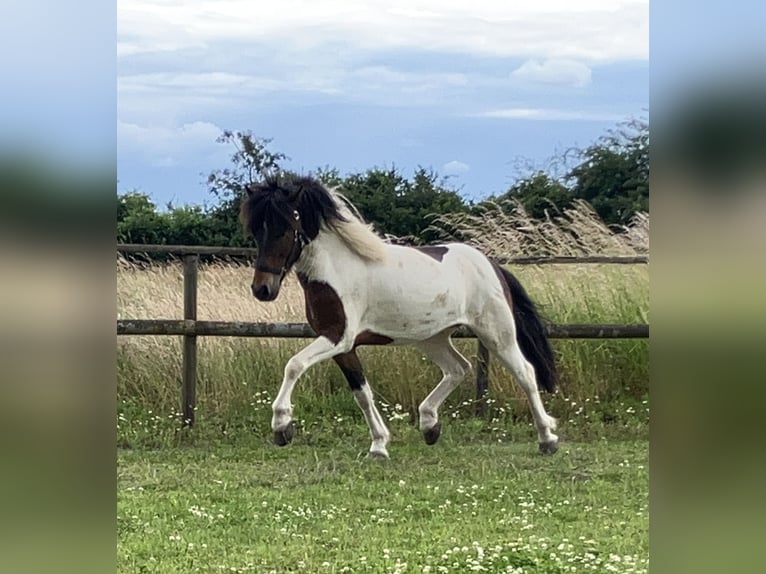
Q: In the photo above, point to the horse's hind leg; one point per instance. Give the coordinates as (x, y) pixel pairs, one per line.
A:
(454, 367)
(510, 355)
(352, 369)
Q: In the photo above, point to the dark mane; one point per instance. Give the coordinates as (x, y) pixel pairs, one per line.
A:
(273, 201)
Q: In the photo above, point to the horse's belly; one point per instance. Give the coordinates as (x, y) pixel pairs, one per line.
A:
(416, 318)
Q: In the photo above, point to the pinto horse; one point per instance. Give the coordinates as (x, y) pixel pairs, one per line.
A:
(360, 290)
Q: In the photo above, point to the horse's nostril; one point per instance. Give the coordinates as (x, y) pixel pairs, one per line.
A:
(261, 292)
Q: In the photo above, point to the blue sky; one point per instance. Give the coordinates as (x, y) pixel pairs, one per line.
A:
(472, 90)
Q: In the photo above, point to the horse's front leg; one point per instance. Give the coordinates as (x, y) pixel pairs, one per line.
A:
(319, 350)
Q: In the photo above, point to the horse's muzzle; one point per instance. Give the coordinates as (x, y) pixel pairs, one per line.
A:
(265, 292)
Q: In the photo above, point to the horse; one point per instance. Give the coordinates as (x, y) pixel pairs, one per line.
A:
(361, 290)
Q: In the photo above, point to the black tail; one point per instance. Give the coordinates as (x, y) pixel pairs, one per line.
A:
(531, 333)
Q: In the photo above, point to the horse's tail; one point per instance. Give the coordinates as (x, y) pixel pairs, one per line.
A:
(531, 333)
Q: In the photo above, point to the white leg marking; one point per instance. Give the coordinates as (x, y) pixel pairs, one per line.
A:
(318, 350)
(525, 375)
(378, 430)
(454, 367)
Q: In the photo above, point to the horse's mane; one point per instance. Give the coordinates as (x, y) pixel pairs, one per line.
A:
(358, 235)
(273, 201)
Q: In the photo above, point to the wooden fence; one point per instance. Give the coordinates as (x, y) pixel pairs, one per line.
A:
(190, 328)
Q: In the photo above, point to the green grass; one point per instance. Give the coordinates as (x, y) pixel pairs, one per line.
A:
(469, 503)
(236, 388)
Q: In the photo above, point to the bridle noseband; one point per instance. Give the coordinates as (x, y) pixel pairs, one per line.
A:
(299, 242)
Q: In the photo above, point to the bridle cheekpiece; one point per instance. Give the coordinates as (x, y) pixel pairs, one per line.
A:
(299, 242)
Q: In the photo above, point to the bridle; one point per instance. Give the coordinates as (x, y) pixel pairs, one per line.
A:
(299, 242)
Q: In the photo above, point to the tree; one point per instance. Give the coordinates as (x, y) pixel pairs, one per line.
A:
(613, 174)
(398, 206)
(138, 220)
(189, 225)
(329, 176)
(133, 203)
(539, 193)
(252, 161)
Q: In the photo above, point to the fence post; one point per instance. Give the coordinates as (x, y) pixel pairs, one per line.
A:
(482, 379)
(189, 381)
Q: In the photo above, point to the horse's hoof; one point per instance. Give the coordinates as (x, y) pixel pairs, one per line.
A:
(283, 437)
(378, 454)
(432, 434)
(549, 447)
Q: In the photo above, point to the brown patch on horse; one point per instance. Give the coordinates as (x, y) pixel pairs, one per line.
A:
(352, 369)
(435, 251)
(370, 338)
(324, 309)
(441, 299)
(503, 283)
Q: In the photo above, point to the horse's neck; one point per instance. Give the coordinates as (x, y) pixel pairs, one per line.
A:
(327, 257)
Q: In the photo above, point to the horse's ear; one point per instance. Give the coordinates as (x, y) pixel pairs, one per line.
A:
(249, 189)
(292, 192)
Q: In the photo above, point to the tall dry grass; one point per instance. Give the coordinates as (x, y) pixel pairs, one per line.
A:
(238, 378)
(507, 230)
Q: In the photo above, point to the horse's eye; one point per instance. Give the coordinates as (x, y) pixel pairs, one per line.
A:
(296, 215)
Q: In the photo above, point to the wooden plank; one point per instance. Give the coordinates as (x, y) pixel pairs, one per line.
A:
(189, 378)
(249, 252)
(538, 260)
(186, 249)
(304, 331)
(599, 331)
(214, 328)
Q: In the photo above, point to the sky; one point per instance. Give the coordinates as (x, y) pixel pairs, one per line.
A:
(478, 91)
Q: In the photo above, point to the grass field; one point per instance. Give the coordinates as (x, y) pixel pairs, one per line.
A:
(467, 504)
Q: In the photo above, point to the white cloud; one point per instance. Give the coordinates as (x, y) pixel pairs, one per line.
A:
(590, 30)
(214, 56)
(231, 85)
(189, 94)
(549, 114)
(201, 84)
(558, 72)
(455, 167)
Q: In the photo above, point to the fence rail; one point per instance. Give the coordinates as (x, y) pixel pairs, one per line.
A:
(250, 251)
(304, 331)
(190, 328)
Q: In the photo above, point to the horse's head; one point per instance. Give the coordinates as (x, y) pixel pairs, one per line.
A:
(282, 214)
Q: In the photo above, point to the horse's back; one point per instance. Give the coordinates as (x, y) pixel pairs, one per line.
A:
(419, 292)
